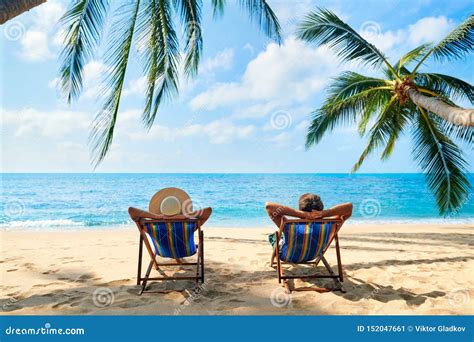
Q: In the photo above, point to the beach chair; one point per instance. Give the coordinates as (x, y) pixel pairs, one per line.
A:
(169, 239)
(305, 242)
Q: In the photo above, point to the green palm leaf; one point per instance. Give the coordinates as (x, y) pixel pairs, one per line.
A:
(117, 57)
(324, 27)
(457, 44)
(350, 96)
(448, 86)
(412, 55)
(218, 7)
(261, 12)
(190, 11)
(442, 162)
(84, 21)
(389, 124)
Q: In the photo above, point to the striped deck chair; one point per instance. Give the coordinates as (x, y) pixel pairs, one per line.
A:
(170, 238)
(305, 242)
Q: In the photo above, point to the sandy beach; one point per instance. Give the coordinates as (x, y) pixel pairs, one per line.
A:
(389, 269)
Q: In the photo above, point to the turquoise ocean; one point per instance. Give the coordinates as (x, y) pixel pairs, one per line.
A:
(91, 201)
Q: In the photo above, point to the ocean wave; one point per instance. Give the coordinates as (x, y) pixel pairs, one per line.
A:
(42, 224)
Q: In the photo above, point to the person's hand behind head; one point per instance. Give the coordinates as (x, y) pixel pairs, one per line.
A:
(313, 215)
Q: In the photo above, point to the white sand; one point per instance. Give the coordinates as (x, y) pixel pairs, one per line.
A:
(389, 269)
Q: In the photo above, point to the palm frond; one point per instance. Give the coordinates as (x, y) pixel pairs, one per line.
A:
(350, 97)
(190, 12)
(449, 86)
(386, 128)
(117, 57)
(324, 27)
(218, 7)
(165, 73)
(442, 163)
(463, 134)
(262, 13)
(412, 55)
(458, 43)
(84, 22)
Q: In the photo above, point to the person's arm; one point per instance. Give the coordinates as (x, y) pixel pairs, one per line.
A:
(277, 211)
(137, 214)
(344, 210)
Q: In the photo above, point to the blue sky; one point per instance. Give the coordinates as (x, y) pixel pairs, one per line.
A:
(245, 112)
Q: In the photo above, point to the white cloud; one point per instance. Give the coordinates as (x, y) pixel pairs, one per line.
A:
(136, 86)
(430, 29)
(221, 61)
(221, 131)
(287, 73)
(51, 123)
(94, 73)
(34, 46)
(396, 43)
(41, 36)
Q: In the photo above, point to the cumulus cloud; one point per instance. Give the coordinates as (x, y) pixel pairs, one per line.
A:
(395, 43)
(40, 40)
(289, 73)
(52, 123)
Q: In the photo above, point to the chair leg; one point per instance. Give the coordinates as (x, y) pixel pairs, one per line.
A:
(331, 272)
(140, 255)
(339, 264)
(147, 275)
(201, 245)
(277, 249)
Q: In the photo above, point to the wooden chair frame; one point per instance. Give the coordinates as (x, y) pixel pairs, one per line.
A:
(338, 278)
(153, 262)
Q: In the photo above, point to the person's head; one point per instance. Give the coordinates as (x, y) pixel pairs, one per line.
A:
(310, 202)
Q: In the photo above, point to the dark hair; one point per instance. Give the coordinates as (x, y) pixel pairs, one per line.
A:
(310, 202)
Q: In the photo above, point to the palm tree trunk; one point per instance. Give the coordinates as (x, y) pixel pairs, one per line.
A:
(11, 8)
(455, 115)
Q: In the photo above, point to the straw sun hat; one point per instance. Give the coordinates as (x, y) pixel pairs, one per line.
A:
(170, 201)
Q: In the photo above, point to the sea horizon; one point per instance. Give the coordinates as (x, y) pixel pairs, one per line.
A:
(95, 200)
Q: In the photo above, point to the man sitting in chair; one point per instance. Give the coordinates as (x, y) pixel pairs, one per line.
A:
(310, 208)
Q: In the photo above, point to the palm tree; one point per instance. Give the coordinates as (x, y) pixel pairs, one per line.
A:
(403, 100)
(9, 9)
(150, 25)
